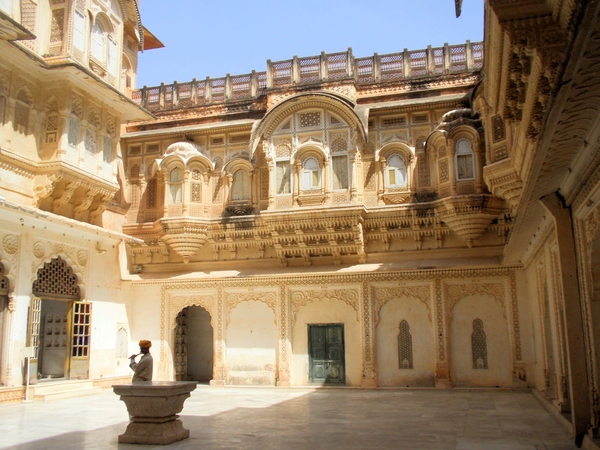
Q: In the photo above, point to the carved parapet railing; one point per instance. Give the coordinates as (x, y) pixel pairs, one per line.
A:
(409, 64)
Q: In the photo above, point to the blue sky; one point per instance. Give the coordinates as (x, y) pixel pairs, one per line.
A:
(213, 38)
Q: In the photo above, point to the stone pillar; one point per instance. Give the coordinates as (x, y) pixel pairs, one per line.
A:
(186, 192)
(479, 160)
(283, 355)
(381, 180)
(219, 344)
(574, 324)
(452, 166)
(369, 377)
(442, 368)
(354, 163)
(272, 187)
(326, 182)
(297, 171)
(166, 191)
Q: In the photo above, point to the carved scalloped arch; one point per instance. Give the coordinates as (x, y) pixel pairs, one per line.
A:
(383, 295)
(338, 105)
(299, 299)
(72, 265)
(234, 299)
(180, 302)
(307, 150)
(456, 292)
(236, 164)
(395, 147)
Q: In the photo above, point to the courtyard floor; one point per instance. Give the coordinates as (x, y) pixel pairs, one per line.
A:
(277, 418)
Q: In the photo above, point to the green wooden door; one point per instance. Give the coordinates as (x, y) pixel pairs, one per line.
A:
(326, 350)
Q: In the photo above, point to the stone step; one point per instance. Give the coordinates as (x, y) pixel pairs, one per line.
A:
(54, 390)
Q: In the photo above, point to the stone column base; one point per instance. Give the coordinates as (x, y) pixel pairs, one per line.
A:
(154, 433)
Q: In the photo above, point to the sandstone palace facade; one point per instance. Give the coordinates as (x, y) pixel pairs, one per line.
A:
(427, 218)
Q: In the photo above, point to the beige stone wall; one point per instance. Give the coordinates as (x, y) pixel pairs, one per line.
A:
(260, 325)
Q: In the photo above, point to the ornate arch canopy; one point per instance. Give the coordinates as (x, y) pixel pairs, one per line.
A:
(338, 105)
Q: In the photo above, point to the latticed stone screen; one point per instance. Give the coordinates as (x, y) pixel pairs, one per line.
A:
(309, 69)
(336, 65)
(418, 62)
(57, 26)
(405, 352)
(498, 130)
(424, 178)
(21, 122)
(479, 344)
(444, 175)
(196, 196)
(282, 73)
(311, 119)
(339, 145)
(56, 278)
(151, 194)
(392, 66)
(181, 360)
(364, 67)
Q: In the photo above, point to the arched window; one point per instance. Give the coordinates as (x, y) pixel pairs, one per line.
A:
(465, 167)
(98, 41)
(395, 174)
(175, 186)
(311, 174)
(122, 344)
(479, 346)
(405, 352)
(104, 46)
(79, 23)
(240, 186)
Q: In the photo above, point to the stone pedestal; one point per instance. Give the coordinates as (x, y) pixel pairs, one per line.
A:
(153, 408)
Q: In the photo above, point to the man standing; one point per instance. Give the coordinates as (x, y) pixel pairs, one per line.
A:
(142, 371)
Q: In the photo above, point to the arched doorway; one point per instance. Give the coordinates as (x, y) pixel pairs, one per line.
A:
(59, 324)
(193, 357)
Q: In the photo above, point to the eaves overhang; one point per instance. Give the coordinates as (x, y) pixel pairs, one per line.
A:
(74, 71)
(28, 215)
(177, 132)
(11, 30)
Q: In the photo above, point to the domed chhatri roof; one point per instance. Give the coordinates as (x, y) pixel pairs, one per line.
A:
(186, 150)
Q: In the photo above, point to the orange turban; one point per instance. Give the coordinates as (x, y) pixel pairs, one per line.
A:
(145, 344)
